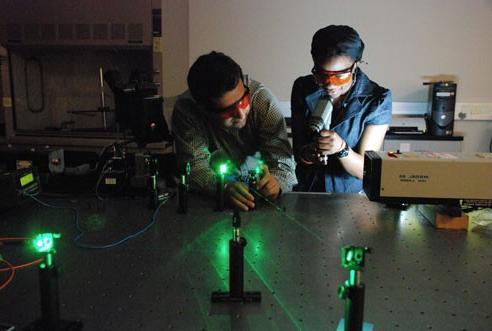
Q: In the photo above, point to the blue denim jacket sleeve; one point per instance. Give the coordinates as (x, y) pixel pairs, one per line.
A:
(382, 111)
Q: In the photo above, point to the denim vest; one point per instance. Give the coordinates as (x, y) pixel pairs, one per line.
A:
(365, 104)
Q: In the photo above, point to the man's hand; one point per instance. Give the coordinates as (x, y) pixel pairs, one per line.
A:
(268, 185)
(329, 142)
(238, 195)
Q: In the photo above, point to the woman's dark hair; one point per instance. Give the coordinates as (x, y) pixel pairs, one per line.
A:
(212, 75)
(336, 40)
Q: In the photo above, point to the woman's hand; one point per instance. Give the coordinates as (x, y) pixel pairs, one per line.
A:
(329, 142)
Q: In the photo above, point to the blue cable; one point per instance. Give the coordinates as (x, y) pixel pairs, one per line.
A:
(145, 228)
(81, 233)
(33, 196)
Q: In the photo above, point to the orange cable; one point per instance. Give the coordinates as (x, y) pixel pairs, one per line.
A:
(13, 238)
(7, 282)
(21, 266)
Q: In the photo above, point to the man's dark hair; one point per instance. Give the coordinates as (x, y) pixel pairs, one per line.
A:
(336, 40)
(212, 75)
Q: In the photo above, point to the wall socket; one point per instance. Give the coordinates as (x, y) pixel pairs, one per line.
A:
(473, 111)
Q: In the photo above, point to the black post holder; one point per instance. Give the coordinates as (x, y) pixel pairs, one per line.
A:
(236, 270)
(353, 291)
(50, 306)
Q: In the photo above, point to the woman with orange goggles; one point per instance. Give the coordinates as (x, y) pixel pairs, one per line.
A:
(356, 113)
(338, 78)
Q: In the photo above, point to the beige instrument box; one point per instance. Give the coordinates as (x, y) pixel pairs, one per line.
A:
(428, 177)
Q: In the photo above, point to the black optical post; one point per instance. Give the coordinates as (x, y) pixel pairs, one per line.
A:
(50, 305)
(353, 291)
(236, 269)
(253, 178)
(155, 197)
(183, 190)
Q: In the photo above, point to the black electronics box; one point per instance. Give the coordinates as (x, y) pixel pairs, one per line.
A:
(440, 118)
(17, 185)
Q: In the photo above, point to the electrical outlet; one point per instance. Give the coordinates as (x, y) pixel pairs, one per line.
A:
(473, 111)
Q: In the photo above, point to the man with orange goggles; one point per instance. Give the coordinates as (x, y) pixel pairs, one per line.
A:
(356, 113)
(225, 114)
(241, 105)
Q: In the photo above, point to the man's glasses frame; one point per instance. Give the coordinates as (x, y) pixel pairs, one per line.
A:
(241, 103)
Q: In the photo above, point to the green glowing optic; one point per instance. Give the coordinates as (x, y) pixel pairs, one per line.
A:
(259, 167)
(353, 278)
(44, 242)
(223, 168)
(353, 257)
(349, 256)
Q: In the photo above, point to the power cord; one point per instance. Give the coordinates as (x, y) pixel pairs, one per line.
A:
(10, 267)
(11, 276)
(81, 232)
(119, 242)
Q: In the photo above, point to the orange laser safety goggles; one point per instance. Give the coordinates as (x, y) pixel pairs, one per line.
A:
(242, 103)
(340, 77)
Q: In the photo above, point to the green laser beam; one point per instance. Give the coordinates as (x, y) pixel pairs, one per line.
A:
(274, 294)
(280, 210)
(202, 311)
